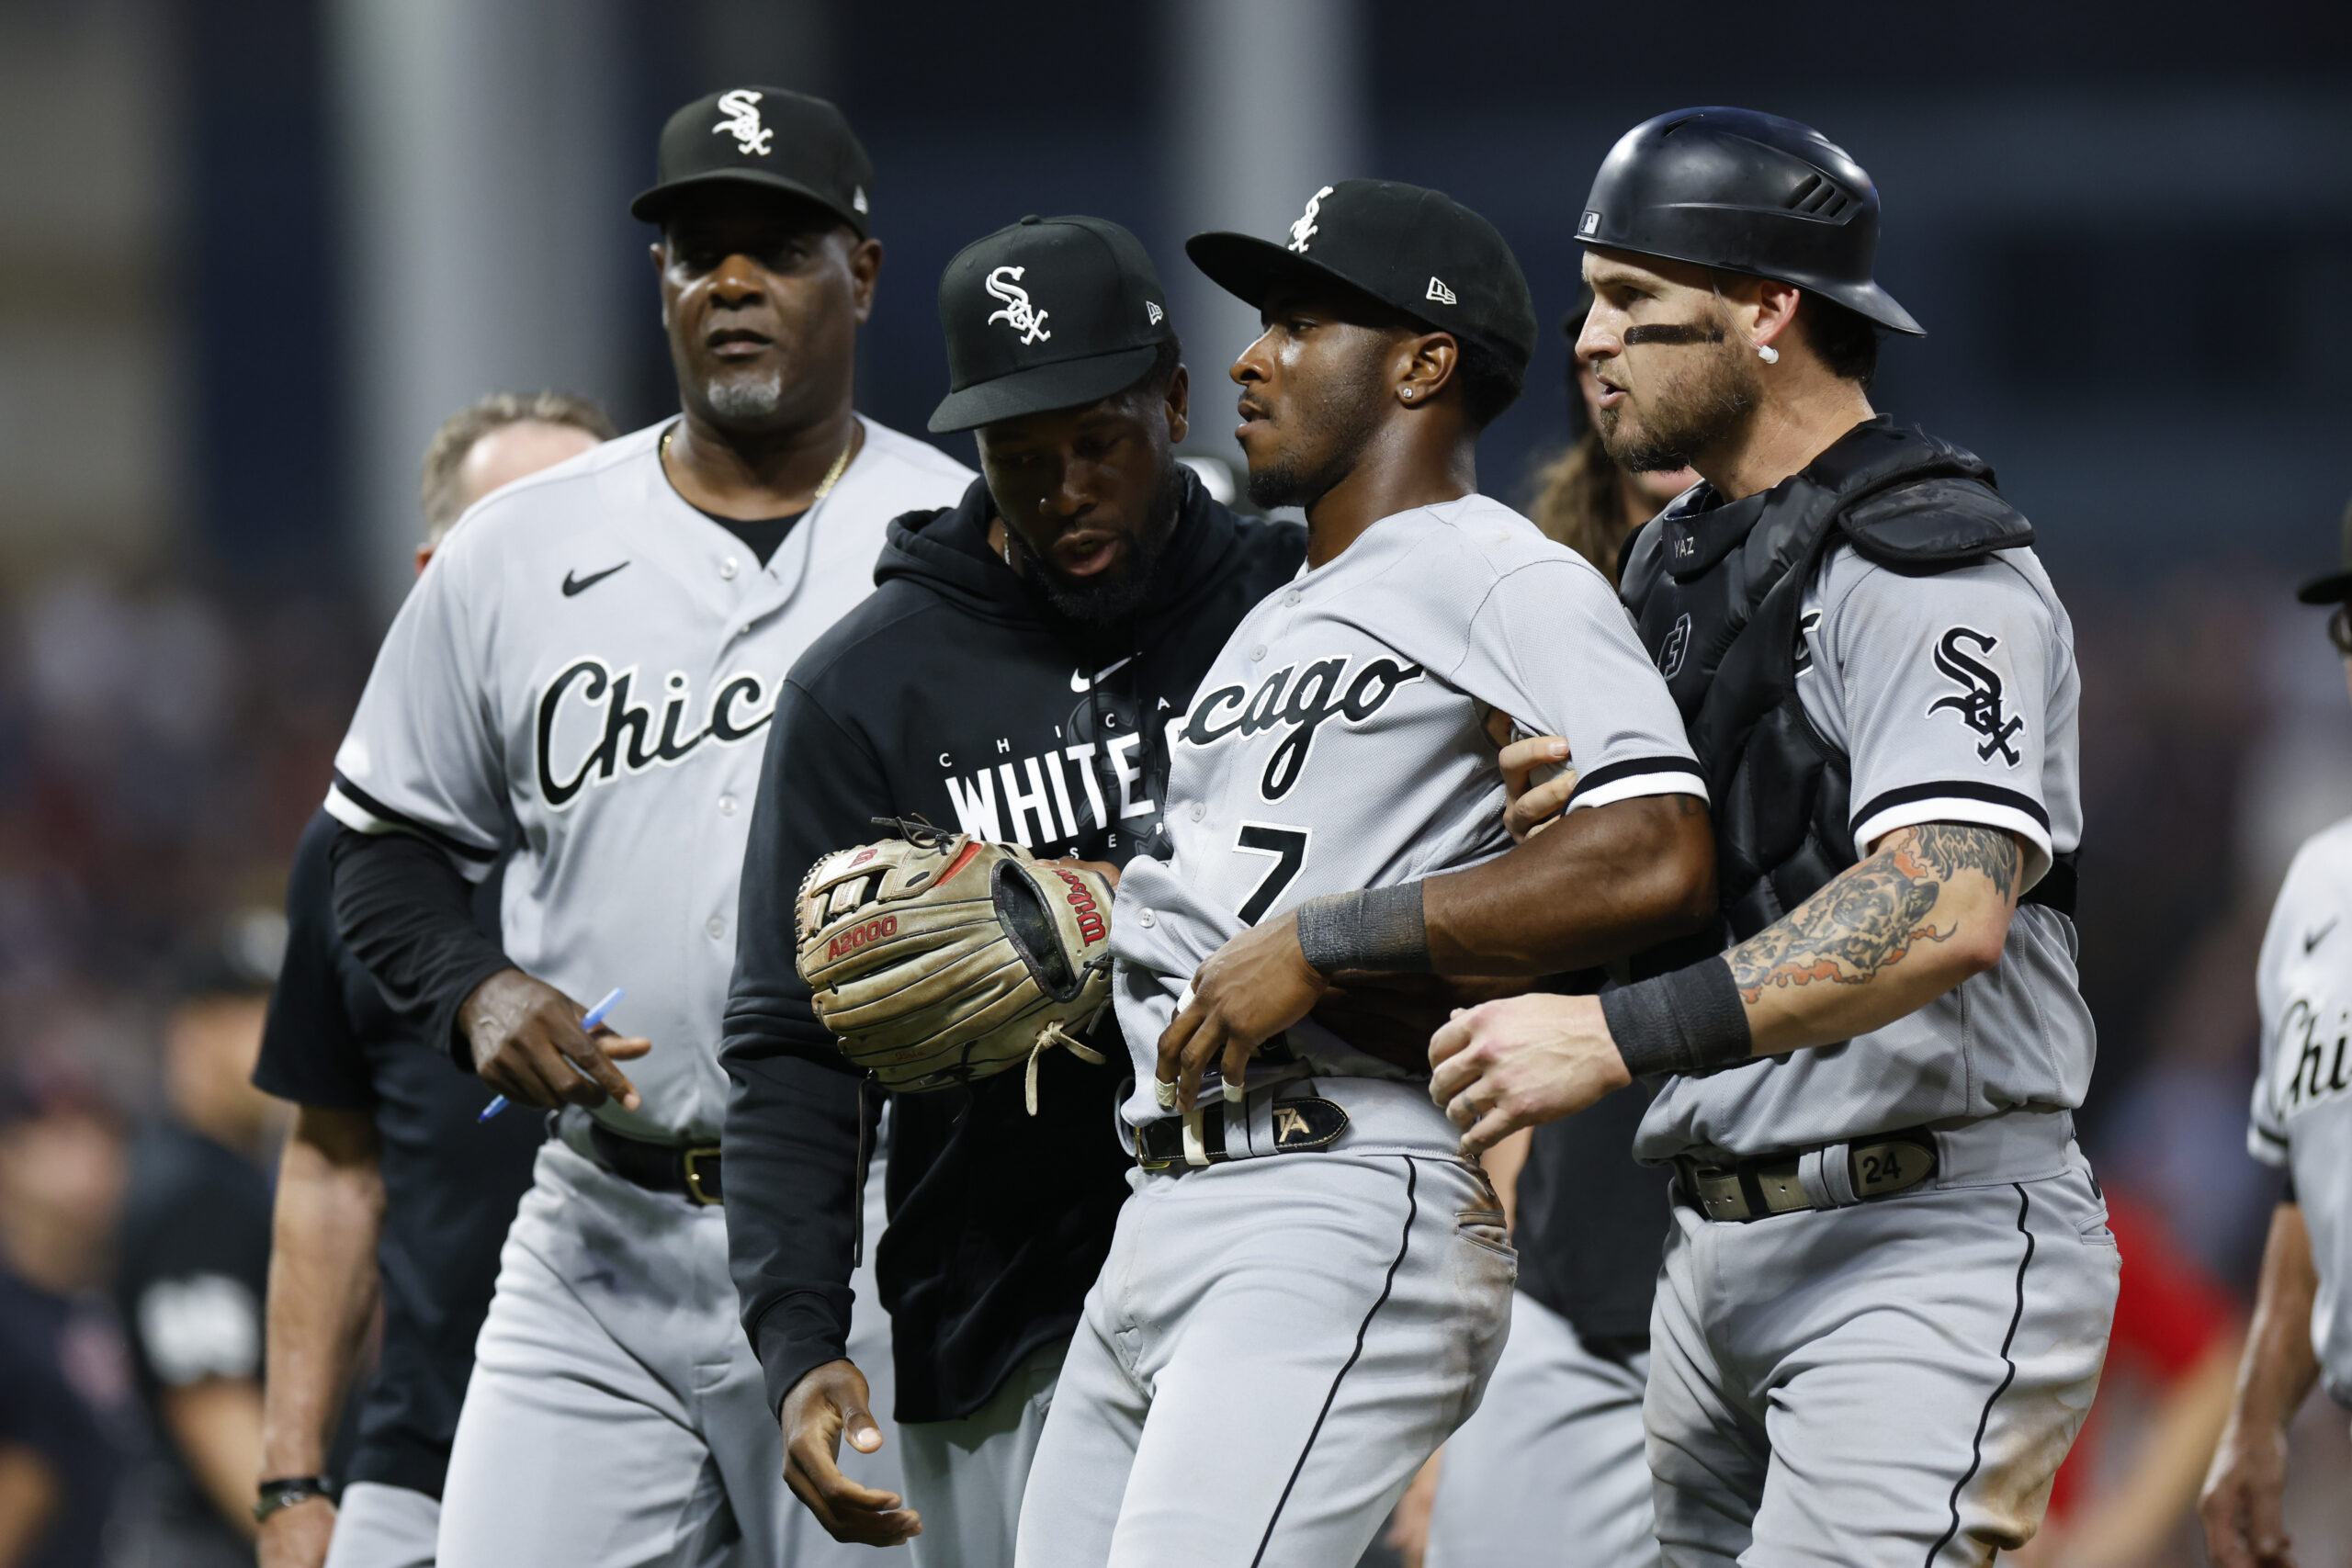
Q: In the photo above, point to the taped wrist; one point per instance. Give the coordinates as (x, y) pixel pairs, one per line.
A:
(1688, 1022)
(1382, 930)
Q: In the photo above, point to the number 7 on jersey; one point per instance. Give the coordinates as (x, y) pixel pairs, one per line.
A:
(1288, 846)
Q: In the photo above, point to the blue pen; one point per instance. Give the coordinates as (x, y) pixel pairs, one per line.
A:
(595, 1016)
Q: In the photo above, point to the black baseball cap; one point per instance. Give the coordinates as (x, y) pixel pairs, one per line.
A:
(1417, 251)
(769, 138)
(1049, 313)
(2335, 588)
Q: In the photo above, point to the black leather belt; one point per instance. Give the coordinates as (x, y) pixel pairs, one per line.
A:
(1302, 1126)
(1876, 1167)
(690, 1170)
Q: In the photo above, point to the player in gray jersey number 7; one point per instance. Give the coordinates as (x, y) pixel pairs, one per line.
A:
(1885, 1300)
(1309, 1286)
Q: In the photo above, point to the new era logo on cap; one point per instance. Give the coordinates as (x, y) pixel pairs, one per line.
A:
(1151, 308)
(1439, 291)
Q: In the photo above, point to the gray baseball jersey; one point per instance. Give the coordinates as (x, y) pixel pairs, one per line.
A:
(1337, 743)
(2303, 1113)
(595, 660)
(1955, 696)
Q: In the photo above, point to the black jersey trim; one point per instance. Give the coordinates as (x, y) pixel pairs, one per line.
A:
(1404, 1244)
(2008, 1343)
(424, 830)
(1631, 767)
(1953, 789)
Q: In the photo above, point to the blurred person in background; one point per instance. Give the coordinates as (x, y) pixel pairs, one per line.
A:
(68, 1418)
(2301, 1121)
(390, 1191)
(194, 1259)
(1555, 1452)
(1584, 498)
(587, 672)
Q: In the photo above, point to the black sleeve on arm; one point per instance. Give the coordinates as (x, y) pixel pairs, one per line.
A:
(792, 1136)
(309, 1055)
(406, 913)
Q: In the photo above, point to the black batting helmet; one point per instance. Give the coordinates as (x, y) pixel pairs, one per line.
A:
(1750, 193)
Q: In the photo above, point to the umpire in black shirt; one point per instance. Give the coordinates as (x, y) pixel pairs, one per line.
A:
(390, 1189)
(1012, 676)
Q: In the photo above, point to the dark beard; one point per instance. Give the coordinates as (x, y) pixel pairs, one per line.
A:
(1110, 596)
(1340, 425)
(1679, 428)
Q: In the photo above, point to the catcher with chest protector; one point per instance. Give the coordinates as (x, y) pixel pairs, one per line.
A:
(1009, 681)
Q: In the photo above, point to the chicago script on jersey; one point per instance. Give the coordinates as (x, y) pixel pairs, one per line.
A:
(634, 736)
(1322, 692)
(2313, 1066)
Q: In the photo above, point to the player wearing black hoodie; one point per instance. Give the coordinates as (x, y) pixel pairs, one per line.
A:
(1013, 677)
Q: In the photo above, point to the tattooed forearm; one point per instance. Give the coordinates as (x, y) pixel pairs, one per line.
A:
(1871, 914)
(1947, 851)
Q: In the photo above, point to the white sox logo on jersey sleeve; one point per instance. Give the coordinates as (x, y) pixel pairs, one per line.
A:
(1322, 692)
(631, 737)
(1978, 702)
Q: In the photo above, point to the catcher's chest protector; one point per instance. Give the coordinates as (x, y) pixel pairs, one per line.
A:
(1716, 595)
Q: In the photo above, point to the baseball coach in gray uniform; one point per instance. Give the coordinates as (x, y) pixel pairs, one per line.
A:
(594, 658)
(1886, 1298)
(2302, 1317)
(1309, 1286)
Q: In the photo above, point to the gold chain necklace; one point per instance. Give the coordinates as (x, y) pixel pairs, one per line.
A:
(824, 486)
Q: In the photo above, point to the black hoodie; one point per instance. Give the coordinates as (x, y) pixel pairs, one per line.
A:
(958, 693)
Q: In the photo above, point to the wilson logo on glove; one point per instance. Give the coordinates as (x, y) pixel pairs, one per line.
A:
(938, 959)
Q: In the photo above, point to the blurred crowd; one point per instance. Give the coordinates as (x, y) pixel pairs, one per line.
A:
(162, 745)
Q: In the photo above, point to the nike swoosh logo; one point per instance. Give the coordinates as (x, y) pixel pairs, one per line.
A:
(572, 585)
(1081, 683)
(2315, 937)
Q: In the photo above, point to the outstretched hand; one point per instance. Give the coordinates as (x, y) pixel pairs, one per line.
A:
(829, 1402)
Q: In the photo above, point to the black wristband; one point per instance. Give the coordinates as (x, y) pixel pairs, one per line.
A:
(1381, 930)
(285, 1492)
(1688, 1022)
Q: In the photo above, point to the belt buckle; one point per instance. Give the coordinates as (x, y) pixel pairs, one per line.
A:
(690, 1166)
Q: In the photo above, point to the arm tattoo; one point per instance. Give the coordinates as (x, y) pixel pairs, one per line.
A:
(1867, 919)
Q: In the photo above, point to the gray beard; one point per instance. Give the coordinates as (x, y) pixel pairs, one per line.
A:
(750, 397)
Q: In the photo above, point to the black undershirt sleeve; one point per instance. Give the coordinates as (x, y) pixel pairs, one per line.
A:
(406, 913)
(794, 1117)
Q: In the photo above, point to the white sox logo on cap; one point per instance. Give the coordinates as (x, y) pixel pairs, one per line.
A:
(1018, 314)
(1304, 228)
(741, 108)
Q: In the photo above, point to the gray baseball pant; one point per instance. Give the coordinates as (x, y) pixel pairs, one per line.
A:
(1889, 1385)
(1274, 1347)
(1552, 1467)
(966, 1476)
(617, 1416)
(378, 1526)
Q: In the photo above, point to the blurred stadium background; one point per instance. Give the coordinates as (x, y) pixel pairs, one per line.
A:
(253, 250)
